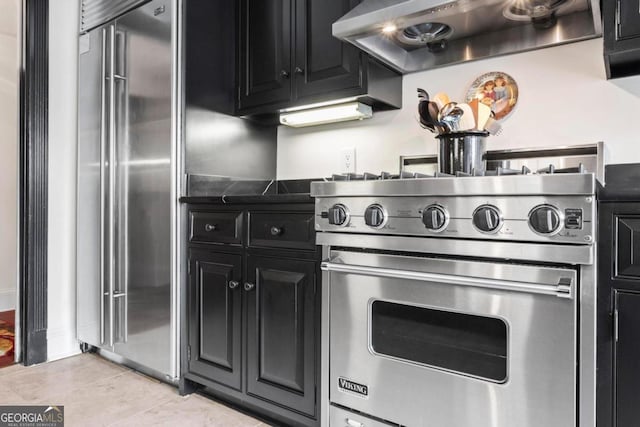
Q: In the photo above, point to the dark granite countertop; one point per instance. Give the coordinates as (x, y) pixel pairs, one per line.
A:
(201, 190)
(248, 199)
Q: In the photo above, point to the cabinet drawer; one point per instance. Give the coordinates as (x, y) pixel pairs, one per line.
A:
(627, 247)
(282, 230)
(216, 227)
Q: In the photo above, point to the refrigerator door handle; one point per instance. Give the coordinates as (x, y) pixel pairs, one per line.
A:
(112, 179)
(103, 155)
(121, 92)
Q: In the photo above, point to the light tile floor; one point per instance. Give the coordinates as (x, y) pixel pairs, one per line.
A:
(96, 392)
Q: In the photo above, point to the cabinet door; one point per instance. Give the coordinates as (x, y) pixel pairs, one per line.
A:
(324, 64)
(215, 317)
(628, 15)
(627, 355)
(265, 52)
(281, 331)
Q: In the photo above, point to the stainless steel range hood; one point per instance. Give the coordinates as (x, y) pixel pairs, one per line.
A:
(412, 35)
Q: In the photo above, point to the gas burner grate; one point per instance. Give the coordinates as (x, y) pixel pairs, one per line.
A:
(442, 175)
(499, 171)
(551, 169)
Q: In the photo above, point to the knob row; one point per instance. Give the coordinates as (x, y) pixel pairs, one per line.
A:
(543, 219)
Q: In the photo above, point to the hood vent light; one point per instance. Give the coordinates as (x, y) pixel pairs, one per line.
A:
(541, 13)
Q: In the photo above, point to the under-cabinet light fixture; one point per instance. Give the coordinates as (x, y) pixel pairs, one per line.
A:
(326, 114)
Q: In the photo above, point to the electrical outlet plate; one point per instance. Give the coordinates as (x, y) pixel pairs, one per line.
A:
(348, 160)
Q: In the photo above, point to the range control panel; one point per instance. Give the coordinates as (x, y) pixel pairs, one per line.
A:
(560, 219)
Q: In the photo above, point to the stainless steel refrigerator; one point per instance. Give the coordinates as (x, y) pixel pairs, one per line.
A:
(128, 176)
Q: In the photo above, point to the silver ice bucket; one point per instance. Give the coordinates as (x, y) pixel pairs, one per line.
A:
(462, 152)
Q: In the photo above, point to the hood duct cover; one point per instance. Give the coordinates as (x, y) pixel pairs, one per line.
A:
(413, 35)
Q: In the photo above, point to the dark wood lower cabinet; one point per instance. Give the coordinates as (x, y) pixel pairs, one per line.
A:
(619, 311)
(627, 358)
(252, 312)
(215, 317)
(281, 350)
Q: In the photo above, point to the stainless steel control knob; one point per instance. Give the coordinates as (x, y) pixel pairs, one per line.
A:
(487, 218)
(375, 216)
(545, 219)
(338, 215)
(435, 218)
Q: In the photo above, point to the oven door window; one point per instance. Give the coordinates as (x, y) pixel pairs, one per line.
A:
(463, 343)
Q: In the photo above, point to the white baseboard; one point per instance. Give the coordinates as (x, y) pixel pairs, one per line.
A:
(7, 299)
(61, 343)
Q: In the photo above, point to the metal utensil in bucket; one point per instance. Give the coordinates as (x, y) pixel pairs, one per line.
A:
(462, 152)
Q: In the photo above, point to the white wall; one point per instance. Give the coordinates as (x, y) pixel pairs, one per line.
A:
(565, 99)
(9, 108)
(63, 64)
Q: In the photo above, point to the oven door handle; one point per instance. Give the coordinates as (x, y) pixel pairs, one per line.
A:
(564, 288)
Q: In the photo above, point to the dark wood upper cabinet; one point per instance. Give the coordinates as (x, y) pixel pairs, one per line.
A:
(281, 335)
(265, 53)
(621, 37)
(289, 58)
(324, 63)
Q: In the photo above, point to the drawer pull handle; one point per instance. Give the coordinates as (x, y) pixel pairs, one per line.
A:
(233, 284)
(210, 227)
(249, 286)
(276, 231)
(353, 423)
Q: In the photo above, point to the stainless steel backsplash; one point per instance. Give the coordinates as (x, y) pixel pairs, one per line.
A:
(216, 142)
(226, 146)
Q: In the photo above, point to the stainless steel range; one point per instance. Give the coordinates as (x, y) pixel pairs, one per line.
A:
(458, 301)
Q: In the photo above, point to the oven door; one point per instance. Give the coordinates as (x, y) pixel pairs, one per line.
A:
(440, 342)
